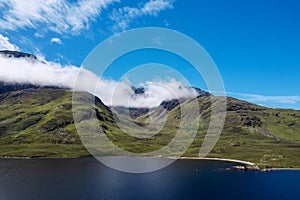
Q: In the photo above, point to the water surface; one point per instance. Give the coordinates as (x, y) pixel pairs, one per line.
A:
(86, 178)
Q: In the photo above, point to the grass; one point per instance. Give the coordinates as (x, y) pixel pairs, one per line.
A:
(39, 123)
(43, 150)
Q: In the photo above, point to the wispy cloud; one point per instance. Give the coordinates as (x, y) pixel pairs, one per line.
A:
(60, 16)
(267, 99)
(56, 40)
(122, 17)
(6, 45)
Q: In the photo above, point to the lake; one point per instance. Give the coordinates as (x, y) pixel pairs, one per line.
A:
(86, 178)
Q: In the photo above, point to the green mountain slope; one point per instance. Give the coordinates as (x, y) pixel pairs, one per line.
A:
(38, 122)
(268, 137)
(34, 120)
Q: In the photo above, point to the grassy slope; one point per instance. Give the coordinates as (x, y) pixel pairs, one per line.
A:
(39, 122)
(268, 137)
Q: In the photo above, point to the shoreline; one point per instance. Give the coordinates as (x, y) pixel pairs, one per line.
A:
(240, 162)
(219, 159)
(280, 169)
(247, 163)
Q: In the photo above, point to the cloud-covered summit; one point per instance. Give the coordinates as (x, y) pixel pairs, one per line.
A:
(28, 70)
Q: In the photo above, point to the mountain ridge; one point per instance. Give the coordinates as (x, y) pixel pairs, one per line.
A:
(17, 54)
(39, 123)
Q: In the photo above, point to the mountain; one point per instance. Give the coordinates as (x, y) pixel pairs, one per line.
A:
(9, 87)
(38, 121)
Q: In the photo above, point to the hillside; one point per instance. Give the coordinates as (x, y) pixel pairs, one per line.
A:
(38, 122)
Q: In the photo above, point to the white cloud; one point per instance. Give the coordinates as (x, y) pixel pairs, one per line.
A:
(60, 16)
(122, 17)
(166, 23)
(22, 70)
(153, 7)
(56, 40)
(6, 45)
(121, 94)
(38, 35)
(18, 70)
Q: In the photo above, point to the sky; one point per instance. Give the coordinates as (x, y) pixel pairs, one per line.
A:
(255, 44)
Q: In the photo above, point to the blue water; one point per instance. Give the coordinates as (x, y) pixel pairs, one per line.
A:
(86, 178)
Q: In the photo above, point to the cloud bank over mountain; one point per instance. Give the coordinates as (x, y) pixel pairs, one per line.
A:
(44, 73)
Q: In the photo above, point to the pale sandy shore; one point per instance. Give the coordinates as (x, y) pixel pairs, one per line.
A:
(219, 159)
(237, 161)
(279, 169)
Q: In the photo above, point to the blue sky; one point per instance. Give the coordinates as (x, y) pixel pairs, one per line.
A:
(255, 44)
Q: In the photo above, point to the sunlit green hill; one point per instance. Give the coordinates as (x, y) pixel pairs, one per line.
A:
(38, 122)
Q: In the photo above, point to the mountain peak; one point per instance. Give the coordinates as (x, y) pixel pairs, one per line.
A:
(199, 92)
(16, 54)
